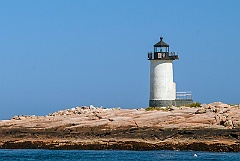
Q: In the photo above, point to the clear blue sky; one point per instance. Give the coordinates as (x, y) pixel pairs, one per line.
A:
(57, 54)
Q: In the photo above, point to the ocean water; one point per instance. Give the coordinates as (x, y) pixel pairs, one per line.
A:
(113, 155)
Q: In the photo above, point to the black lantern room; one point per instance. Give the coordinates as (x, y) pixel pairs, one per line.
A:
(161, 51)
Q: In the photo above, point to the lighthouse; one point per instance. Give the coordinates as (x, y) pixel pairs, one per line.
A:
(162, 87)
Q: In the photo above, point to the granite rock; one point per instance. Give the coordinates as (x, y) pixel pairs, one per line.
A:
(212, 127)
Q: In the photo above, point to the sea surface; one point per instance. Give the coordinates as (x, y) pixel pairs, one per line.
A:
(105, 155)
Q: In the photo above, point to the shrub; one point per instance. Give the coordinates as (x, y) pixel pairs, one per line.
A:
(157, 109)
(152, 108)
(195, 104)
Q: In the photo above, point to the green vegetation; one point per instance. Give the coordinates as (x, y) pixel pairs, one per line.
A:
(157, 108)
(152, 108)
(195, 104)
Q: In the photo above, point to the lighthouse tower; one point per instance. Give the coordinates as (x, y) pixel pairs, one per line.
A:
(162, 87)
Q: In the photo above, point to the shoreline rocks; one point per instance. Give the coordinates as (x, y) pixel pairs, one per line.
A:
(212, 127)
(122, 145)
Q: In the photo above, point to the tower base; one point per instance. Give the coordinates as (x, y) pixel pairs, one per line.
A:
(167, 103)
(161, 103)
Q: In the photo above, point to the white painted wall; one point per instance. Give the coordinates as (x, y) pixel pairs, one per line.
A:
(162, 86)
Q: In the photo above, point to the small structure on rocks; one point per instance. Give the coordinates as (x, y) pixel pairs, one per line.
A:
(162, 87)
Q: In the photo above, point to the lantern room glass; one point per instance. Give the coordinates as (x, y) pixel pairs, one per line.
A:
(161, 49)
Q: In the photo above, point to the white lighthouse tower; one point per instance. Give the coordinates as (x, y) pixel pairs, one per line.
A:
(162, 87)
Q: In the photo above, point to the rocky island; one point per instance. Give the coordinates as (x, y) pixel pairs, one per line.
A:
(211, 127)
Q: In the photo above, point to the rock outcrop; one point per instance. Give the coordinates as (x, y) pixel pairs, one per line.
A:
(212, 127)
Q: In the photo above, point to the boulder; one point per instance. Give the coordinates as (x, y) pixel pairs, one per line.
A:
(201, 111)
